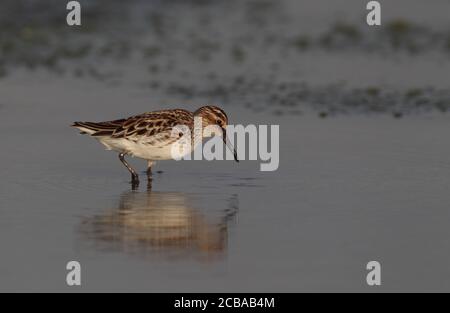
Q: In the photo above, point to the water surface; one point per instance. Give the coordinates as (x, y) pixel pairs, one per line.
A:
(364, 166)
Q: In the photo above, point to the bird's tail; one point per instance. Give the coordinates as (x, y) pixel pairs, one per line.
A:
(89, 128)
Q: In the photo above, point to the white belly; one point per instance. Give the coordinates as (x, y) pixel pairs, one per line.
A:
(144, 150)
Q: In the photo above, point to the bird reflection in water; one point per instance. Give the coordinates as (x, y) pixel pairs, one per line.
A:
(172, 225)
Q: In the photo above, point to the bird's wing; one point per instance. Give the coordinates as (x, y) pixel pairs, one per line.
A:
(150, 124)
(148, 127)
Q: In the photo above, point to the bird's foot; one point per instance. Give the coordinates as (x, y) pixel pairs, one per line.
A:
(134, 181)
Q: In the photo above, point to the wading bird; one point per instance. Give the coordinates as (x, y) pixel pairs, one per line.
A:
(150, 136)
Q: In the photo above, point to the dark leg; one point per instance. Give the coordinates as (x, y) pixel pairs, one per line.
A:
(149, 184)
(134, 175)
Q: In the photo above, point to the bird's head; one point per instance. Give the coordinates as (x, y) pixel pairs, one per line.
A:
(215, 116)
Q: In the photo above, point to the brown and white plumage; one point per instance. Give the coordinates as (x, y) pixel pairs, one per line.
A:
(143, 125)
(150, 135)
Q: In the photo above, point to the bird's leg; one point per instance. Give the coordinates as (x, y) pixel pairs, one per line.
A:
(149, 184)
(134, 175)
(135, 185)
(149, 175)
(149, 169)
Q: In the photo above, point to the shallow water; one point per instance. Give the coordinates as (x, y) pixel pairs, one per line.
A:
(354, 187)
(348, 190)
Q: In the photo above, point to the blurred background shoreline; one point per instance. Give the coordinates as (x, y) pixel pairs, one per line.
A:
(286, 57)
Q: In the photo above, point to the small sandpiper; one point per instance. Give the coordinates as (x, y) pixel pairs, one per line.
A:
(149, 136)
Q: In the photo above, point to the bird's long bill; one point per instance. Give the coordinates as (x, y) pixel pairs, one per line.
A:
(228, 144)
